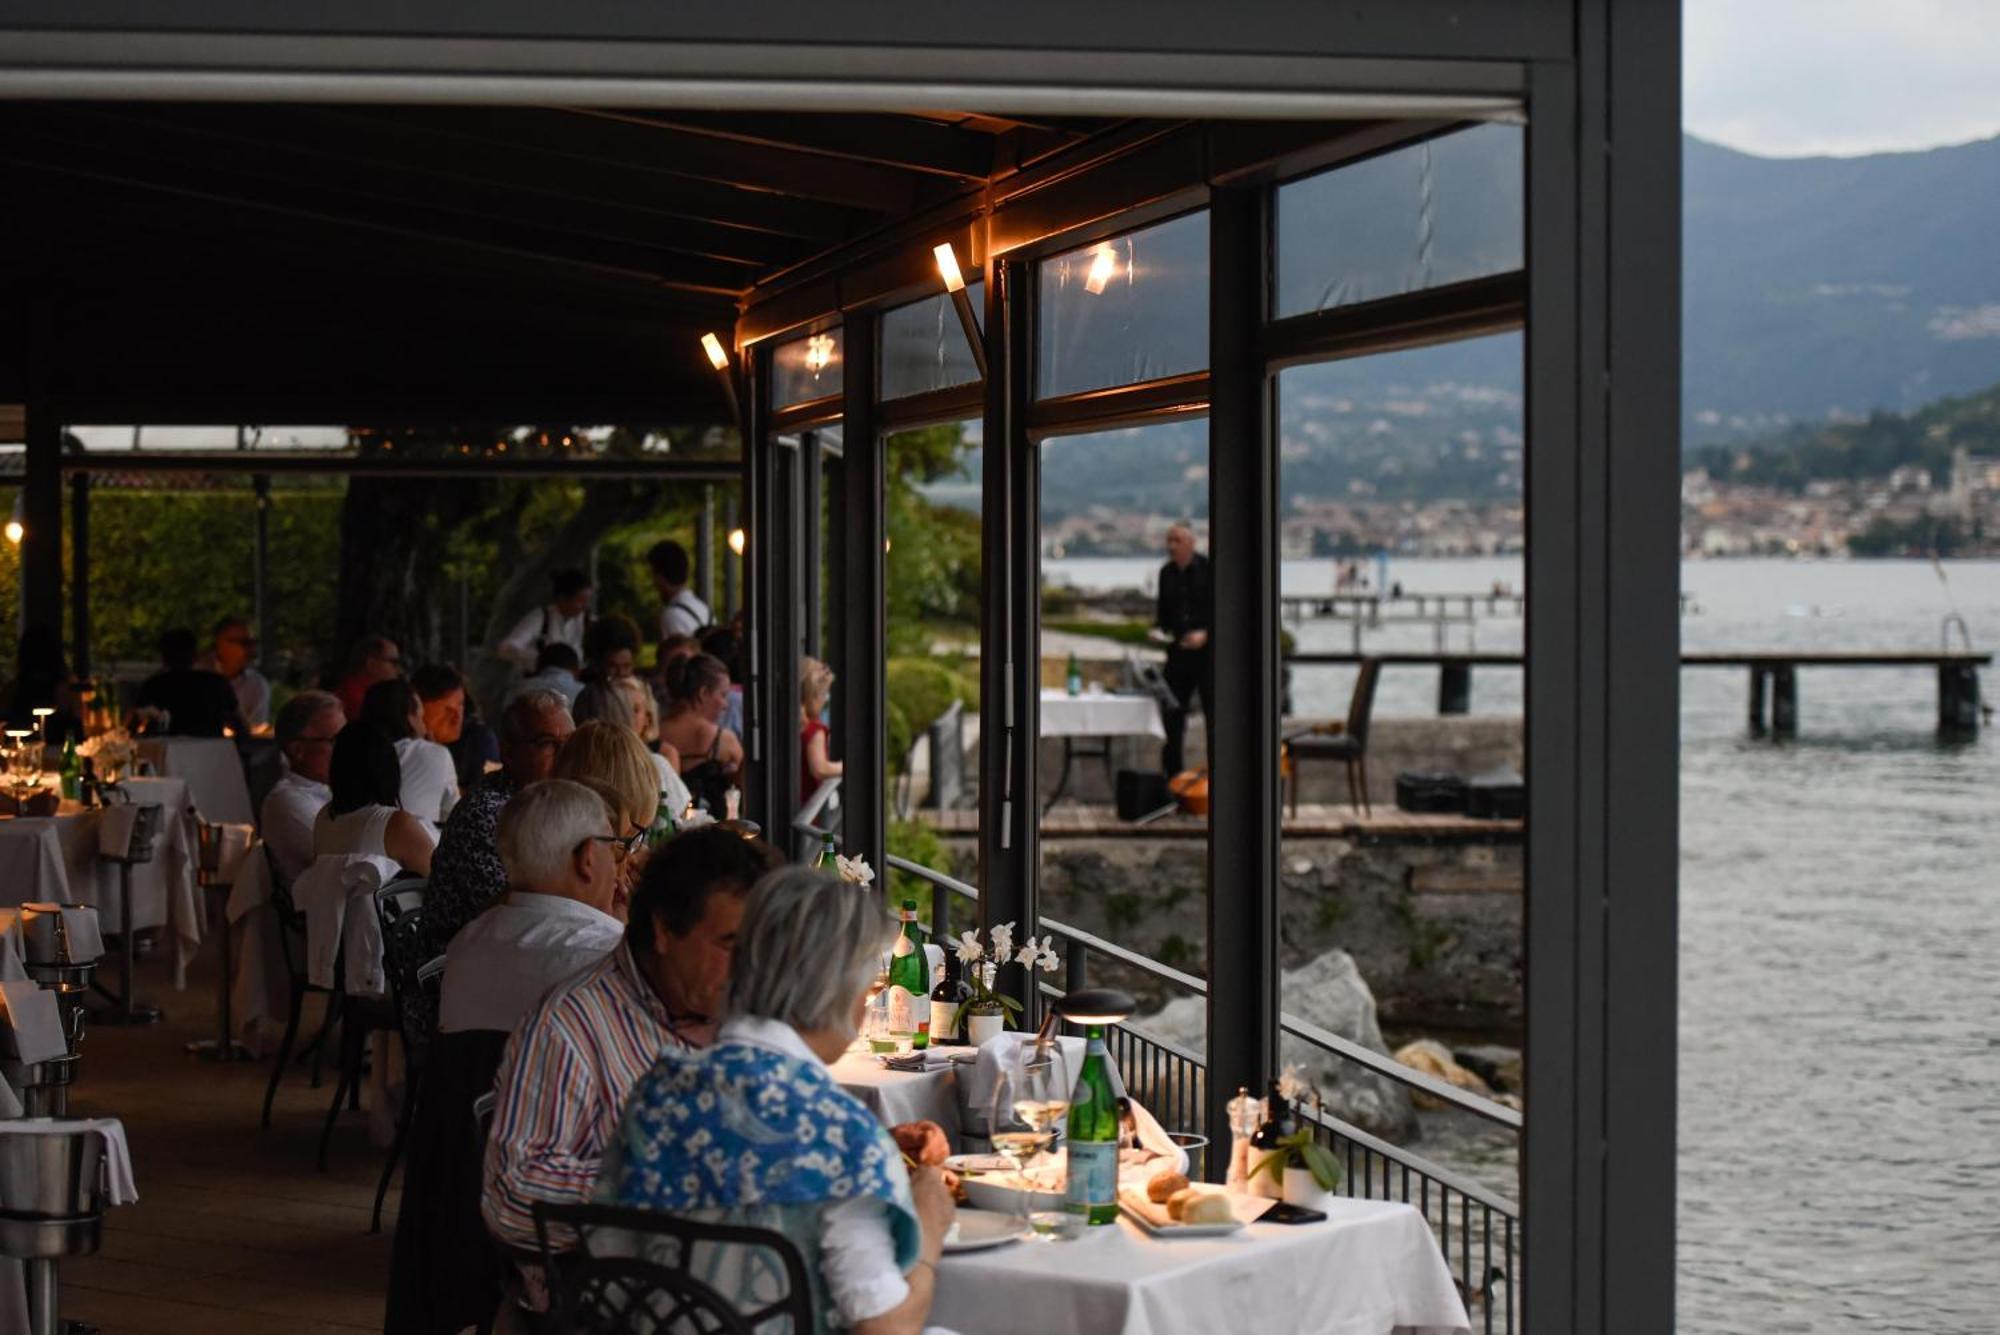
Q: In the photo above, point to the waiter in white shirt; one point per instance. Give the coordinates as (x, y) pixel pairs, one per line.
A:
(681, 613)
(561, 620)
(306, 728)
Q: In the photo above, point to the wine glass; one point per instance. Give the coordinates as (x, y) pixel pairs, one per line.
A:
(1030, 1103)
(24, 761)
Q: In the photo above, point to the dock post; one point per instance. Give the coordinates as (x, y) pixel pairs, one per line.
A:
(1958, 698)
(1454, 688)
(1785, 700)
(1758, 676)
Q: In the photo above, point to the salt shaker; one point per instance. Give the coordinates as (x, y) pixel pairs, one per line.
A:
(1245, 1116)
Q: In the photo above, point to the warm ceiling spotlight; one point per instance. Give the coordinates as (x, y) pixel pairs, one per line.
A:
(947, 263)
(819, 353)
(718, 356)
(736, 541)
(961, 301)
(1103, 268)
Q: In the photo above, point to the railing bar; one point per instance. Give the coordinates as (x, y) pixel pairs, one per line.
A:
(1465, 1242)
(1444, 1176)
(1401, 1074)
(1512, 1265)
(1486, 1269)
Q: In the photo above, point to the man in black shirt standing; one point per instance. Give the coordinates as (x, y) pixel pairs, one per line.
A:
(1185, 615)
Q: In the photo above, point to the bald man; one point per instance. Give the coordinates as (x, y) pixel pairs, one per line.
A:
(1185, 614)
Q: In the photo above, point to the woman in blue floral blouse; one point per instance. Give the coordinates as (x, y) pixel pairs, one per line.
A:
(754, 1130)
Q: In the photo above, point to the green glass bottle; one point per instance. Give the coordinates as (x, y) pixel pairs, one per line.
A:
(828, 851)
(1092, 1135)
(909, 987)
(1073, 677)
(666, 824)
(72, 771)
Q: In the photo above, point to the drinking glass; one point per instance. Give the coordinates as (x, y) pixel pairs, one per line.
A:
(1030, 1104)
(24, 760)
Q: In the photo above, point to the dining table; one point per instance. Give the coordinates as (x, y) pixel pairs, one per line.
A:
(1089, 721)
(1370, 1268)
(896, 1096)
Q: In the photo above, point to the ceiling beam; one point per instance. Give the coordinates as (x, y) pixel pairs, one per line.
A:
(906, 143)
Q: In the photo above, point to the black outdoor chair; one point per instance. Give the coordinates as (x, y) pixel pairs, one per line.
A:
(292, 948)
(632, 1273)
(399, 905)
(1346, 742)
(416, 994)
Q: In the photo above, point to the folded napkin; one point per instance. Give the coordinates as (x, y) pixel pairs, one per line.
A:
(30, 1024)
(114, 831)
(39, 943)
(121, 1187)
(914, 1062)
(233, 845)
(975, 1083)
(250, 884)
(1153, 1137)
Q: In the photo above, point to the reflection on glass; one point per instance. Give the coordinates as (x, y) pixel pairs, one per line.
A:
(1129, 309)
(806, 368)
(1439, 212)
(923, 347)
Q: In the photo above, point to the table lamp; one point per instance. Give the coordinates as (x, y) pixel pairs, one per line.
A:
(1096, 1009)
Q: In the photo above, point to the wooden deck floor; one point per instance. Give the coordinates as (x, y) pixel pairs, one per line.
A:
(1089, 820)
(235, 1232)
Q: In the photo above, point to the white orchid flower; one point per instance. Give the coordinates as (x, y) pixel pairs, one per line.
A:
(1003, 940)
(854, 870)
(967, 947)
(1048, 953)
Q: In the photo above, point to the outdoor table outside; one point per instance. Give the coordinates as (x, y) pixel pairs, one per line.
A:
(896, 1097)
(1100, 715)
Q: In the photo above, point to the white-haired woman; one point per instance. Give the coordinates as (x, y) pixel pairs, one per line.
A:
(754, 1130)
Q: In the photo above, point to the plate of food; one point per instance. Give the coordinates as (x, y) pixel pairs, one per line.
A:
(1170, 1206)
(976, 1230)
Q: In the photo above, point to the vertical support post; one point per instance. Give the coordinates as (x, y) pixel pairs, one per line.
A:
(1759, 683)
(261, 572)
(1010, 623)
(41, 520)
(779, 554)
(704, 544)
(812, 551)
(1958, 699)
(864, 629)
(1243, 729)
(760, 544)
(1455, 687)
(1785, 700)
(79, 573)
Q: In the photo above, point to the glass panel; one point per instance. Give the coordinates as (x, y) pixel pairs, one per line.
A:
(226, 439)
(1125, 310)
(806, 368)
(1439, 212)
(924, 348)
(1401, 884)
(1113, 505)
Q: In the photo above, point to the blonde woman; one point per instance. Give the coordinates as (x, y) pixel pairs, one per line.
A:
(613, 763)
(606, 702)
(815, 765)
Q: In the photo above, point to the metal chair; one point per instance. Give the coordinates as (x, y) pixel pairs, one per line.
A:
(224, 1047)
(399, 907)
(125, 1008)
(416, 997)
(292, 947)
(1346, 742)
(631, 1273)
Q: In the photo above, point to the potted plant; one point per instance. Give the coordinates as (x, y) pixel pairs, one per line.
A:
(1304, 1170)
(987, 1010)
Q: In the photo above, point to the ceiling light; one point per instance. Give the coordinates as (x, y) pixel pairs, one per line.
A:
(1103, 268)
(718, 356)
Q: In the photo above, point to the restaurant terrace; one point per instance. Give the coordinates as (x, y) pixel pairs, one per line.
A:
(771, 241)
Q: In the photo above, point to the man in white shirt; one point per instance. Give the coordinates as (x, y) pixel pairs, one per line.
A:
(230, 653)
(681, 613)
(555, 670)
(562, 861)
(561, 620)
(307, 726)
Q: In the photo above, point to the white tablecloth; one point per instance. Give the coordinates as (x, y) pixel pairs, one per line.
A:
(213, 771)
(1371, 1269)
(896, 1097)
(262, 994)
(1087, 715)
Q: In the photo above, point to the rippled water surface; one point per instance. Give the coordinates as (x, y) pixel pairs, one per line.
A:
(1840, 946)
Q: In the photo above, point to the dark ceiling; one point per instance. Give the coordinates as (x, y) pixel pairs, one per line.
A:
(284, 262)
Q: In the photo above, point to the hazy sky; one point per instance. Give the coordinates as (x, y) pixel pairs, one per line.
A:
(1793, 77)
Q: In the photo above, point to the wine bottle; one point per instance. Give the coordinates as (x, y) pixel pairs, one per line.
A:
(71, 771)
(666, 824)
(947, 999)
(828, 851)
(1278, 1123)
(1091, 1189)
(1073, 677)
(907, 989)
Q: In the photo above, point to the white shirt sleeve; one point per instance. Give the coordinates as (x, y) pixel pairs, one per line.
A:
(519, 646)
(858, 1260)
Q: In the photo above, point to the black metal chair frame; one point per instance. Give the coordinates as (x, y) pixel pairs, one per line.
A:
(578, 1279)
(418, 1025)
(292, 947)
(362, 1017)
(1350, 744)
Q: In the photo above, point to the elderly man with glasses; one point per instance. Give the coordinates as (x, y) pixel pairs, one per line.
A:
(467, 873)
(307, 726)
(557, 917)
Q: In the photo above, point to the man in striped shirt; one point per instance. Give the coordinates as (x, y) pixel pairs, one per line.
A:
(568, 1068)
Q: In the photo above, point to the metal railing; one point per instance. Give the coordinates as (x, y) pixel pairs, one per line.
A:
(1478, 1230)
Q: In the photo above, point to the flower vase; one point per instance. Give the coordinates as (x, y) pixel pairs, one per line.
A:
(1302, 1189)
(982, 1027)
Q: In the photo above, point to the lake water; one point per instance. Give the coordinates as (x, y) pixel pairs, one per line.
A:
(1840, 943)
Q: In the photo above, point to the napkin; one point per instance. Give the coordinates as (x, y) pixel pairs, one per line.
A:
(114, 832)
(121, 1186)
(250, 886)
(234, 843)
(322, 892)
(30, 1023)
(975, 1084)
(1153, 1137)
(86, 941)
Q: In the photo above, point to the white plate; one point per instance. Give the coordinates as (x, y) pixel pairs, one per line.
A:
(976, 1230)
(1142, 1212)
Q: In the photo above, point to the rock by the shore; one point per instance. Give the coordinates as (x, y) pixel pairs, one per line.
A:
(1331, 993)
(1498, 1066)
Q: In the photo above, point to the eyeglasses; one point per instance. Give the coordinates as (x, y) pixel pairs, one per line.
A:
(622, 846)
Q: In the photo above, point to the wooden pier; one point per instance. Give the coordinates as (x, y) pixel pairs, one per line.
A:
(1774, 685)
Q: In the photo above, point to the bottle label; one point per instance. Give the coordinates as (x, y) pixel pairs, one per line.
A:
(1093, 1174)
(902, 1011)
(904, 947)
(944, 1019)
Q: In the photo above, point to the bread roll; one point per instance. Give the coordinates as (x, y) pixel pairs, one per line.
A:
(1164, 1184)
(1207, 1208)
(1179, 1203)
